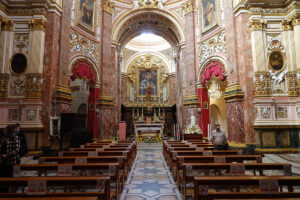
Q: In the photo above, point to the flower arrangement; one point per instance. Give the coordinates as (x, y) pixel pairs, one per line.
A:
(158, 139)
(192, 130)
(139, 139)
(112, 139)
(149, 139)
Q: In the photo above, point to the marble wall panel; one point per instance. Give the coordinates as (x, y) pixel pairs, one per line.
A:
(107, 126)
(235, 121)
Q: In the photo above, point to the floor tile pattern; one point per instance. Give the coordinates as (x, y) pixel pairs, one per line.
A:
(150, 179)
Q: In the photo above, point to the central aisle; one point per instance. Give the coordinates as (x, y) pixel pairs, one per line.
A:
(150, 179)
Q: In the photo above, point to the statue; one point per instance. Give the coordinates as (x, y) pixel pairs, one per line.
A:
(160, 4)
(193, 128)
(136, 4)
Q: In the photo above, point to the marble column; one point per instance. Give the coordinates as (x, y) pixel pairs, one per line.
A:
(258, 40)
(51, 63)
(6, 41)
(296, 25)
(108, 97)
(188, 69)
(288, 36)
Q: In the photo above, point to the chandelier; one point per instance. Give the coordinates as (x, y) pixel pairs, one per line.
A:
(214, 91)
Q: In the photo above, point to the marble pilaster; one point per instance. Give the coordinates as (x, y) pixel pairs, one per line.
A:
(296, 25)
(6, 42)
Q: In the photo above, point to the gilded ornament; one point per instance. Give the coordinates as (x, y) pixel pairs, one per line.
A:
(4, 78)
(265, 112)
(108, 6)
(281, 112)
(14, 114)
(286, 25)
(257, 24)
(292, 83)
(188, 6)
(8, 25)
(17, 85)
(262, 84)
(33, 85)
(37, 24)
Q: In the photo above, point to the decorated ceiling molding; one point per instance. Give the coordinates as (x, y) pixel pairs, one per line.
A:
(159, 22)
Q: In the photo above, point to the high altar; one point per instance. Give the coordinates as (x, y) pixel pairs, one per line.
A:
(148, 95)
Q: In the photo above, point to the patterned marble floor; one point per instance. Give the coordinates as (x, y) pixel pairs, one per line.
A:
(150, 179)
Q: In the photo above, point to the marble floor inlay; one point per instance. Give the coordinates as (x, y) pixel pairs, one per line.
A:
(150, 179)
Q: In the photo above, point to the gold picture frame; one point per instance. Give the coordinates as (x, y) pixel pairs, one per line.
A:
(209, 15)
(276, 61)
(86, 12)
(11, 63)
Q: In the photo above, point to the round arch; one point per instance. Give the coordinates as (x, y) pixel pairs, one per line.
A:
(136, 55)
(160, 22)
(89, 61)
(207, 61)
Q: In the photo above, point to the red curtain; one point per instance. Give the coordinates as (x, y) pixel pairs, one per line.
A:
(83, 69)
(215, 68)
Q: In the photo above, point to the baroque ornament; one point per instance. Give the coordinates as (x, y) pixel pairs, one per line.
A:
(147, 4)
(79, 43)
(292, 83)
(33, 85)
(215, 44)
(21, 42)
(262, 84)
(17, 86)
(281, 112)
(265, 112)
(4, 85)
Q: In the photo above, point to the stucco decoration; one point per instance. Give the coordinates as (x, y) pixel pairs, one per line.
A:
(281, 112)
(208, 47)
(265, 112)
(17, 85)
(79, 43)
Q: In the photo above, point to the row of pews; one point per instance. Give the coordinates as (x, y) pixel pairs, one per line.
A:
(226, 174)
(96, 170)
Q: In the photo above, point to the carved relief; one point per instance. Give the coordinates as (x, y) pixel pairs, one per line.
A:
(107, 122)
(21, 42)
(79, 43)
(281, 112)
(292, 83)
(215, 44)
(257, 24)
(108, 6)
(37, 24)
(262, 84)
(265, 112)
(14, 114)
(17, 85)
(188, 6)
(266, 11)
(4, 78)
(33, 85)
(31, 115)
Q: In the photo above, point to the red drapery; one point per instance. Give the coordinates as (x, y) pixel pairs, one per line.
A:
(83, 69)
(215, 68)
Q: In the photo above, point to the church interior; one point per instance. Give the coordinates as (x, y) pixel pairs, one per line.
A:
(150, 99)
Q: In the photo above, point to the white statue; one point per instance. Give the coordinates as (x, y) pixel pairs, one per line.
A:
(193, 121)
(136, 4)
(160, 4)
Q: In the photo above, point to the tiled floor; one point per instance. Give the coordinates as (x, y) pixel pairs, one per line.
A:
(150, 179)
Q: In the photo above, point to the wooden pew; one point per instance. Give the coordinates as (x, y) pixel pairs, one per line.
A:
(112, 168)
(211, 159)
(188, 168)
(238, 181)
(63, 182)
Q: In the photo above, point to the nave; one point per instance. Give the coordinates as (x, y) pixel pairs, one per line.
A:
(182, 170)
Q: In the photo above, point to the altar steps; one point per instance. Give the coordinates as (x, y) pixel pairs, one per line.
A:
(150, 146)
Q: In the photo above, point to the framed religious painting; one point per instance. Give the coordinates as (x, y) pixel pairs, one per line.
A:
(86, 14)
(209, 14)
(147, 81)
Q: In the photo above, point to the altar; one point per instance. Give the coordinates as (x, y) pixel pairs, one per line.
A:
(148, 129)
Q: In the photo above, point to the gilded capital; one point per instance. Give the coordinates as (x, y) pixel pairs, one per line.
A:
(188, 6)
(257, 25)
(8, 25)
(108, 6)
(37, 24)
(286, 25)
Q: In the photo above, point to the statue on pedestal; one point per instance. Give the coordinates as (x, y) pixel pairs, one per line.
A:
(192, 128)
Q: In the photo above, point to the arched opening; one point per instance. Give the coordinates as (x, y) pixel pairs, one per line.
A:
(148, 41)
(84, 81)
(211, 87)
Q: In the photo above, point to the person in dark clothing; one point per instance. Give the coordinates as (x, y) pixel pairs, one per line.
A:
(9, 151)
(23, 141)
